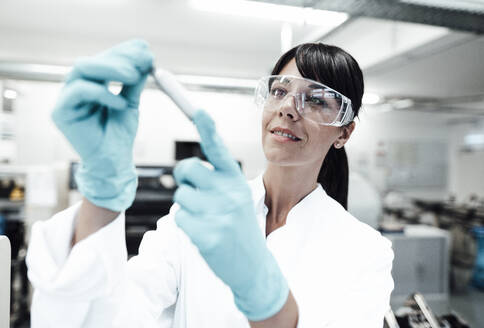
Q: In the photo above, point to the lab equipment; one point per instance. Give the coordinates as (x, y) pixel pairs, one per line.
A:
(478, 277)
(3, 224)
(167, 83)
(154, 197)
(100, 125)
(421, 264)
(417, 313)
(313, 100)
(187, 149)
(218, 214)
(390, 321)
(12, 213)
(4, 281)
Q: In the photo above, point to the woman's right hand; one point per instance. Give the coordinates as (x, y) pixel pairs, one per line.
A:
(101, 126)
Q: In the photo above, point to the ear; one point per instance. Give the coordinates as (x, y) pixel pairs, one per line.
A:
(346, 132)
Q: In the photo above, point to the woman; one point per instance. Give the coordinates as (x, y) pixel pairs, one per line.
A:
(283, 252)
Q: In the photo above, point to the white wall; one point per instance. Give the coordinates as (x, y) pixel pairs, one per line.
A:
(38, 140)
(467, 167)
(161, 123)
(465, 170)
(376, 127)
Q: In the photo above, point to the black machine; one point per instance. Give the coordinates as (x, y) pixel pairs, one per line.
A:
(154, 195)
(154, 198)
(186, 149)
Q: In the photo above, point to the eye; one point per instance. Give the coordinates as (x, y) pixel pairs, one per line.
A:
(316, 101)
(278, 92)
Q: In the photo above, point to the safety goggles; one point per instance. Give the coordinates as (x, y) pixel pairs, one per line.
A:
(313, 100)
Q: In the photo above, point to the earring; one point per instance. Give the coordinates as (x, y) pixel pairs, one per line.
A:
(336, 145)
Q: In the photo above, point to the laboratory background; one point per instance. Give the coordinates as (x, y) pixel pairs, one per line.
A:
(416, 156)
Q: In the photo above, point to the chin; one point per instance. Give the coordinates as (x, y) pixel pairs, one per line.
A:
(279, 158)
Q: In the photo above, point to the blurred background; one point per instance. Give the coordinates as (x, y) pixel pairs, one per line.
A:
(416, 156)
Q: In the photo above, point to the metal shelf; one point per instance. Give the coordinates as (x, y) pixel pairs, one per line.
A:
(6, 204)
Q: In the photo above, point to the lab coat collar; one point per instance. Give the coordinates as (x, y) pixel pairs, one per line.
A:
(311, 201)
(258, 192)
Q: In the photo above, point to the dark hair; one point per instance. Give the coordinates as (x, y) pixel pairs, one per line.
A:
(337, 69)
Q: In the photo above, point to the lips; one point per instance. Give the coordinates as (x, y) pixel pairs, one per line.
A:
(285, 133)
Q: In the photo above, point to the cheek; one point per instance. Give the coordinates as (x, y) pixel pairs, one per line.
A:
(320, 139)
(266, 119)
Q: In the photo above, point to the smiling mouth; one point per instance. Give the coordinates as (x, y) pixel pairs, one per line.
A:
(285, 134)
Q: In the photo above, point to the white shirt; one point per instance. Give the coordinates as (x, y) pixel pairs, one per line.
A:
(338, 269)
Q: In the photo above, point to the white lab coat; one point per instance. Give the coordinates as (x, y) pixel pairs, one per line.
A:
(338, 269)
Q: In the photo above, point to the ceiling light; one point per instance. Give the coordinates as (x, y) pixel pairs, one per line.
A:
(9, 94)
(371, 99)
(286, 37)
(214, 81)
(467, 5)
(270, 11)
(474, 140)
(402, 103)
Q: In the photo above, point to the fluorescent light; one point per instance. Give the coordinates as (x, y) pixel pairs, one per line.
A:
(371, 98)
(469, 5)
(286, 37)
(323, 17)
(9, 94)
(402, 103)
(474, 140)
(214, 81)
(270, 11)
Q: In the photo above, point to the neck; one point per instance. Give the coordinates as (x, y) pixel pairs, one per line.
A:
(285, 187)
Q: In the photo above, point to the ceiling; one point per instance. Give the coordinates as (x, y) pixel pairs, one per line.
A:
(400, 60)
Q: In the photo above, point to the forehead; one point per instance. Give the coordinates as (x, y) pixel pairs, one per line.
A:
(290, 69)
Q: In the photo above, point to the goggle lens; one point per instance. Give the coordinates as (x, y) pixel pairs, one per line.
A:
(313, 100)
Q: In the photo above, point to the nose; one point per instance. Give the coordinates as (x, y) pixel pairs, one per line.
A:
(288, 108)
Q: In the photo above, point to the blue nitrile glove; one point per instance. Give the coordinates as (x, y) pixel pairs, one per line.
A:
(100, 125)
(218, 214)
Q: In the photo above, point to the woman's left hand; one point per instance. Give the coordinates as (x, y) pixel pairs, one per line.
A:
(217, 213)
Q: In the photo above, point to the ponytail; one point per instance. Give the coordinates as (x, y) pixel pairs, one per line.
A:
(333, 175)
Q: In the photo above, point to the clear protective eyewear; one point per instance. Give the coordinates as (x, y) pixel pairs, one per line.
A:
(313, 100)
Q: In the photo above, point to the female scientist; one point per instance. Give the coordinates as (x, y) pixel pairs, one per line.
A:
(281, 251)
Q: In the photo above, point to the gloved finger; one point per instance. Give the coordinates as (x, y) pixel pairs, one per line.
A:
(212, 145)
(188, 222)
(193, 172)
(199, 230)
(82, 92)
(136, 51)
(132, 93)
(123, 63)
(202, 202)
(129, 119)
(191, 199)
(102, 69)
